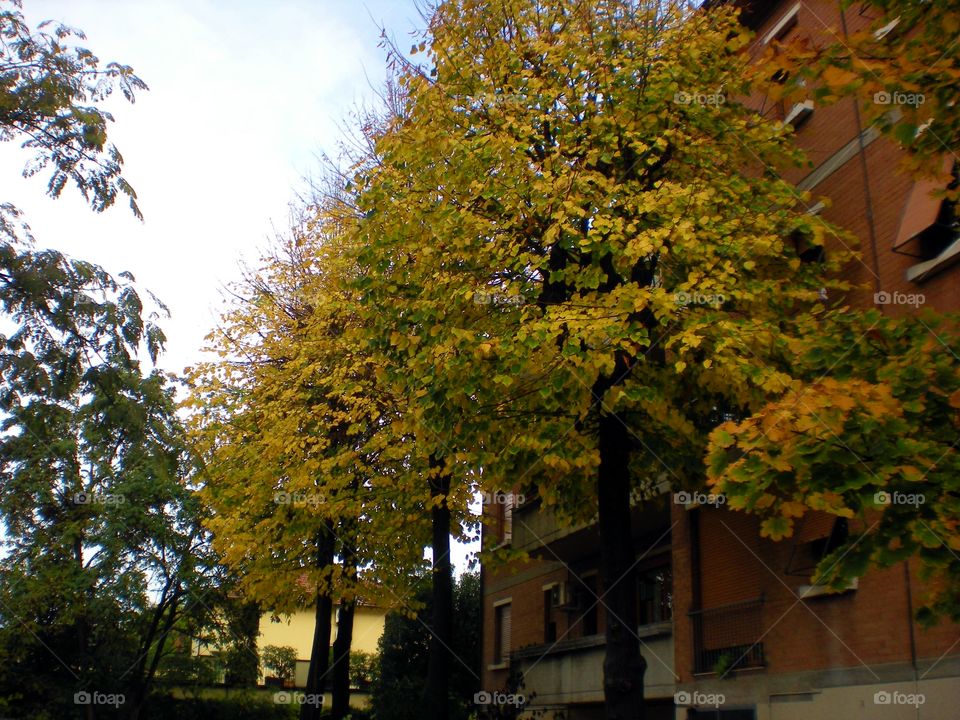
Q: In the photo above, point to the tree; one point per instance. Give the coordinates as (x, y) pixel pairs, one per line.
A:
(104, 554)
(865, 431)
(45, 89)
(404, 650)
(364, 669)
(298, 474)
(103, 548)
(242, 627)
(573, 270)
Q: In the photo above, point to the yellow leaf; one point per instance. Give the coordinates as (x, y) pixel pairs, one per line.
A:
(836, 77)
(792, 509)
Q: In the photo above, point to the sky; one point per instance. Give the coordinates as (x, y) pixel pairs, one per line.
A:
(244, 97)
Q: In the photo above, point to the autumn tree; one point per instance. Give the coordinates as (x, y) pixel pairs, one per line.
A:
(865, 431)
(574, 270)
(297, 470)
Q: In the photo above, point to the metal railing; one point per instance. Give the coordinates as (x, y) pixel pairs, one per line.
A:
(728, 637)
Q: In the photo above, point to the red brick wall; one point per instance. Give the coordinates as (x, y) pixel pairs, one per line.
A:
(868, 626)
(872, 624)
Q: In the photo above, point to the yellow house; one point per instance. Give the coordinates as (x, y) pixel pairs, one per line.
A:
(297, 632)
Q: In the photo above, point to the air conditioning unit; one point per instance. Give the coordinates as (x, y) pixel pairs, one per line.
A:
(564, 596)
(558, 594)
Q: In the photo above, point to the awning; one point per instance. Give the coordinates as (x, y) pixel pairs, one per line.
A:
(921, 210)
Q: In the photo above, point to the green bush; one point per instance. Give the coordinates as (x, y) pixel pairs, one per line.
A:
(282, 659)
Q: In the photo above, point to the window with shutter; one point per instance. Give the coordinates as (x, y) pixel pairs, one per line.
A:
(502, 629)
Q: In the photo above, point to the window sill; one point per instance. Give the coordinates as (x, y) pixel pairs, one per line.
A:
(799, 114)
(925, 270)
(655, 629)
(812, 591)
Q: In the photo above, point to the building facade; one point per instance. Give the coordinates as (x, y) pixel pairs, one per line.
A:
(296, 631)
(730, 626)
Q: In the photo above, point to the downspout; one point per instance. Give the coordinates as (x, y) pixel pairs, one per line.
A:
(868, 199)
(913, 639)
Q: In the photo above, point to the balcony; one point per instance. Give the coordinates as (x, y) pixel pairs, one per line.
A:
(571, 670)
(728, 637)
(537, 530)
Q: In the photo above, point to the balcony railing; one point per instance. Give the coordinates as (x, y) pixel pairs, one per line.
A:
(728, 637)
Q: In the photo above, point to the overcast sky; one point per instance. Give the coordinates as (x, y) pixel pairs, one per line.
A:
(243, 96)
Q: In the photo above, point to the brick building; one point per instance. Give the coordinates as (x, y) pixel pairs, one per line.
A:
(723, 612)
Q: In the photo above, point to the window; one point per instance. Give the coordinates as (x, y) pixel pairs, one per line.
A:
(798, 113)
(508, 505)
(722, 714)
(549, 615)
(783, 26)
(930, 227)
(805, 242)
(656, 595)
(501, 630)
(588, 602)
(818, 535)
(503, 505)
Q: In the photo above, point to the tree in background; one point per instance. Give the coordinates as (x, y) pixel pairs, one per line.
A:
(242, 628)
(299, 467)
(364, 669)
(404, 650)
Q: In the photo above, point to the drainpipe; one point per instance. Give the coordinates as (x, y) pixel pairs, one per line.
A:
(867, 198)
(913, 640)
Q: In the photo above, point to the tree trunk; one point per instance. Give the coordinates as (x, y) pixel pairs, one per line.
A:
(341, 660)
(623, 665)
(320, 650)
(437, 690)
(344, 641)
